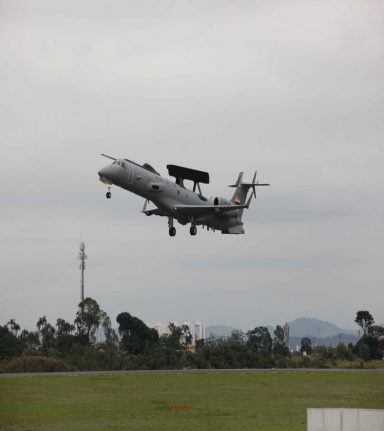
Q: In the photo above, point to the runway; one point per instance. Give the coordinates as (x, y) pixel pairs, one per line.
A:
(243, 371)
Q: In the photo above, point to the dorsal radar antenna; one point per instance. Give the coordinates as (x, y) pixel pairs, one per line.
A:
(82, 256)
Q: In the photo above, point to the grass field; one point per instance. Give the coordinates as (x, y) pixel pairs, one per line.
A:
(181, 402)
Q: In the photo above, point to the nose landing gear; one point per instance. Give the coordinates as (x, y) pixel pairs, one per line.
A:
(109, 195)
(172, 230)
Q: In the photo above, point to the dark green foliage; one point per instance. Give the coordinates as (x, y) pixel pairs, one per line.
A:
(306, 346)
(9, 344)
(88, 319)
(86, 358)
(343, 353)
(260, 339)
(13, 327)
(136, 336)
(279, 347)
(180, 337)
(365, 320)
(141, 349)
(368, 348)
(35, 364)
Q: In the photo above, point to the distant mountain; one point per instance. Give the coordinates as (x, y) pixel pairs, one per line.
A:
(305, 326)
(301, 327)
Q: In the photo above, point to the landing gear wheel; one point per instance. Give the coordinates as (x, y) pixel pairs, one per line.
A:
(108, 195)
(193, 230)
(172, 231)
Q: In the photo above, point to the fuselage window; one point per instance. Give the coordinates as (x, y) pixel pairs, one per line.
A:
(123, 165)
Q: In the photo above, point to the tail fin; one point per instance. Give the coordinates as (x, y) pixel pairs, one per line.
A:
(241, 192)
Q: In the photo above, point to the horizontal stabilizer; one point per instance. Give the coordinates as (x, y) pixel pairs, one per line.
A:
(249, 185)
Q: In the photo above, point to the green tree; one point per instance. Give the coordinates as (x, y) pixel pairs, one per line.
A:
(376, 331)
(279, 347)
(111, 343)
(9, 344)
(13, 327)
(365, 320)
(41, 323)
(180, 337)
(306, 346)
(33, 340)
(260, 339)
(341, 352)
(23, 337)
(88, 319)
(239, 337)
(135, 334)
(48, 337)
(364, 352)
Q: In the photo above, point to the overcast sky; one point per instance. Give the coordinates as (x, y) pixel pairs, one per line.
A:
(294, 90)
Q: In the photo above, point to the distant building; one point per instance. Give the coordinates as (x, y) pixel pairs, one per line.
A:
(197, 330)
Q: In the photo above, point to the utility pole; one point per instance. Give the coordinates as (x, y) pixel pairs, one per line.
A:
(82, 256)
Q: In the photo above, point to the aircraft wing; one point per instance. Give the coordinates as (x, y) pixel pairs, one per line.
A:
(203, 210)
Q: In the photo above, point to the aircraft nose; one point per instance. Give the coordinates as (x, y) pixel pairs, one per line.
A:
(102, 172)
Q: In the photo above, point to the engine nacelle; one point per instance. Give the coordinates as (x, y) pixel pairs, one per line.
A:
(219, 201)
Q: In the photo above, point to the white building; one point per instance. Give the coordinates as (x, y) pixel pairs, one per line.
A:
(197, 330)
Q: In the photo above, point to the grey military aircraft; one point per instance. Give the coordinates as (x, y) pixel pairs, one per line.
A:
(175, 201)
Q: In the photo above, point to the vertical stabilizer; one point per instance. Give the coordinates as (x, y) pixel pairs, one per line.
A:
(240, 195)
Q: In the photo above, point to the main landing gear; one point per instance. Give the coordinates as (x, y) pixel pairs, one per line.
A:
(172, 230)
(108, 195)
(193, 230)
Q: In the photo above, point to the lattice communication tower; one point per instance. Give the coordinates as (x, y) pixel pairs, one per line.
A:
(82, 256)
(286, 334)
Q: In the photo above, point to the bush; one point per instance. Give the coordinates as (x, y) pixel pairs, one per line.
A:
(35, 364)
(349, 365)
(374, 364)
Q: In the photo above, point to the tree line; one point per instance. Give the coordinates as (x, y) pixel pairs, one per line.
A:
(134, 346)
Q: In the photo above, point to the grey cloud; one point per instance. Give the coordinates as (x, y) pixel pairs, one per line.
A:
(292, 90)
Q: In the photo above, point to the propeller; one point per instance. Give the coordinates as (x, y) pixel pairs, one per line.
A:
(254, 184)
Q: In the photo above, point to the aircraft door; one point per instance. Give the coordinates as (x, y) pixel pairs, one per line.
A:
(131, 173)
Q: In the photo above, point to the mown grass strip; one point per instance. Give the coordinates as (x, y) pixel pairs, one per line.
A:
(213, 401)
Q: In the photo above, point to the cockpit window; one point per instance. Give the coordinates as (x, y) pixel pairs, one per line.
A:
(114, 162)
(118, 163)
(123, 165)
